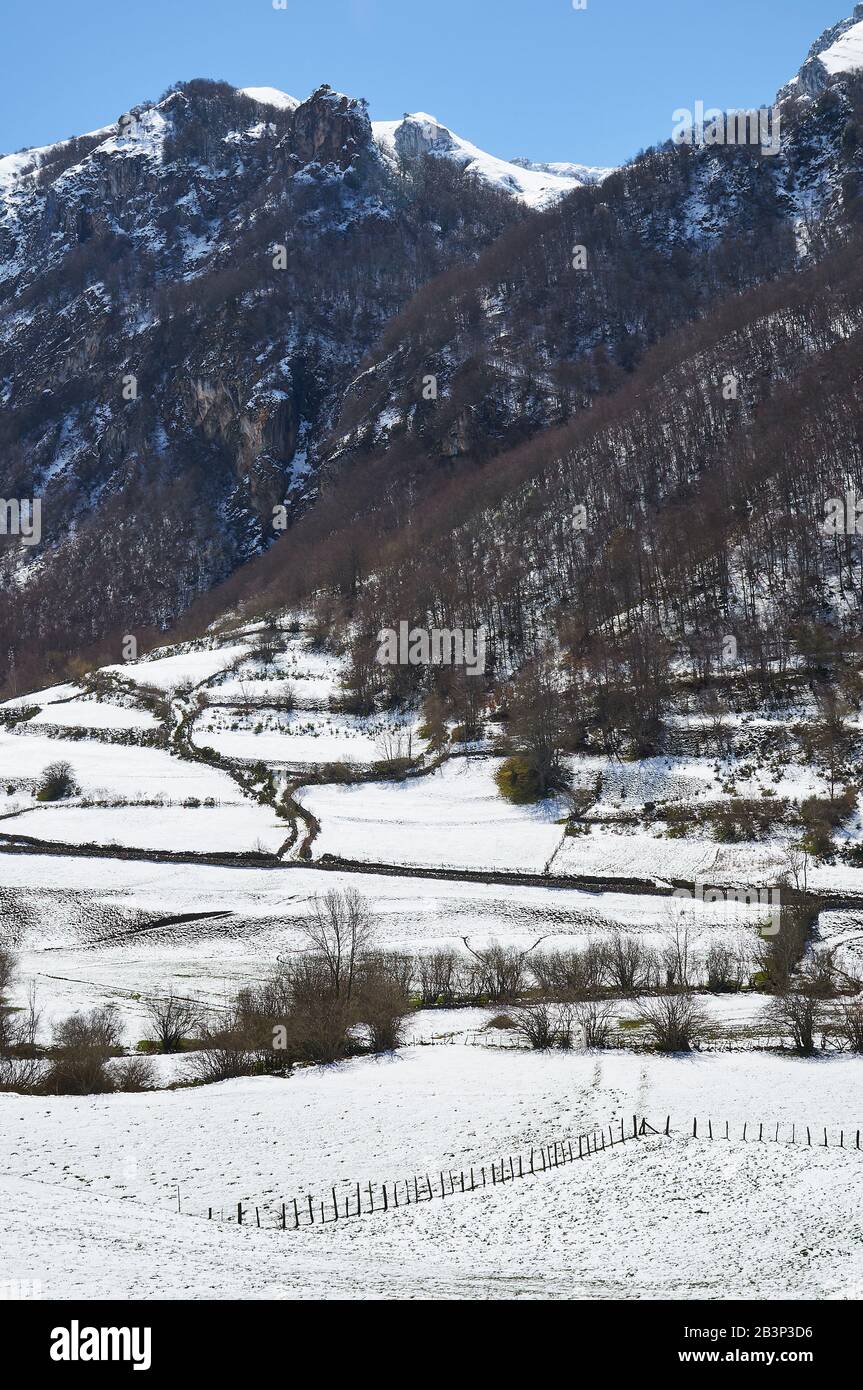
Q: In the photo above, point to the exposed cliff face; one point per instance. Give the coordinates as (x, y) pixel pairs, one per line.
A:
(839, 51)
(224, 298)
(183, 298)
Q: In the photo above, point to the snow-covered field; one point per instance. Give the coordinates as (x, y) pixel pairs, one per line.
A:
(304, 739)
(233, 829)
(455, 818)
(89, 1186)
(94, 714)
(105, 770)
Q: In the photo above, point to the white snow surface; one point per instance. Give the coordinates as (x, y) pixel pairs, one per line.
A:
(89, 1184)
(846, 54)
(94, 714)
(537, 188)
(455, 818)
(271, 96)
(205, 829)
(103, 770)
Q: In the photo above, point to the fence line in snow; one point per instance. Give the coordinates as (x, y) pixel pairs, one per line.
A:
(368, 1199)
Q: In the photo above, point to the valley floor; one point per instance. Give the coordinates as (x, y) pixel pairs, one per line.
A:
(89, 1187)
(252, 763)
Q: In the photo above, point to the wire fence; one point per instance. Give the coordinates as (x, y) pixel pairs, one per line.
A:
(350, 1201)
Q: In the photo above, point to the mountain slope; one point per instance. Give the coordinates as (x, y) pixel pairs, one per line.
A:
(226, 303)
(537, 185)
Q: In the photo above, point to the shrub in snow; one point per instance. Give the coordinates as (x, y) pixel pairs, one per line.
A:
(58, 782)
(676, 1023)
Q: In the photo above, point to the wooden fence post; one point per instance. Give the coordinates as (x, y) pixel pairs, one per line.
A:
(284, 1217)
(258, 1217)
(335, 1204)
(296, 1216)
(239, 1213)
(668, 1125)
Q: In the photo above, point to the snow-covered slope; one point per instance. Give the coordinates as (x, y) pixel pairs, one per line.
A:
(271, 96)
(538, 185)
(838, 50)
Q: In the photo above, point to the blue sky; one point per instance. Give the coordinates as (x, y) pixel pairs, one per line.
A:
(518, 77)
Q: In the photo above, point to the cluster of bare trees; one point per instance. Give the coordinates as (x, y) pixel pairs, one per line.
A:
(340, 996)
(84, 1056)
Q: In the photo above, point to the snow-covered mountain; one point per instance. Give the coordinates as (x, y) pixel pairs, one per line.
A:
(839, 50)
(419, 134)
(537, 185)
(229, 295)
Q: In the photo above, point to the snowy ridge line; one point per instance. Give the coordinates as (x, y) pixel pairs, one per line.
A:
(301, 1211)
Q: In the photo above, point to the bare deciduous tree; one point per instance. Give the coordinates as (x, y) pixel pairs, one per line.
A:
(675, 1022)
(501, 970)
(172, 1019)
(340, 928)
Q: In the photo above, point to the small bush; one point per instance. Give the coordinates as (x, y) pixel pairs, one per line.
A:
(595, 1023)
(519, 781)
(58, 783)
(543, 1027)
(675, 1022)
(135, 1074)
(849, 1027)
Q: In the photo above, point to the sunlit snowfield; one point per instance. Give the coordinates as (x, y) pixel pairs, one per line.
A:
(90, 1184)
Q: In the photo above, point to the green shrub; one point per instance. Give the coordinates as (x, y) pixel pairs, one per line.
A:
(518, 780)
(58, 782)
